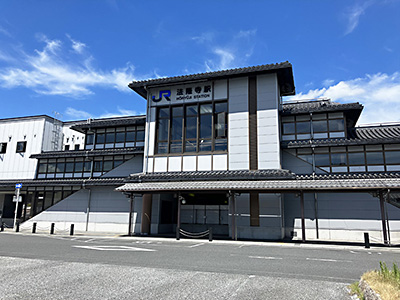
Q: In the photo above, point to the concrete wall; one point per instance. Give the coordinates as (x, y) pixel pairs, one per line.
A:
(341, 216)
(109, 212)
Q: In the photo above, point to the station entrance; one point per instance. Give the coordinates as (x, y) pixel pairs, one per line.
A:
(198, 212)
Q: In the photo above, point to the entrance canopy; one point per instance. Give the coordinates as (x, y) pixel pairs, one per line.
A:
(260, 180)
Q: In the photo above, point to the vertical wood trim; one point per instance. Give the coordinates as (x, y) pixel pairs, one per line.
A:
(303, 223)
(381, 202)
(253, 151)
(254, 209)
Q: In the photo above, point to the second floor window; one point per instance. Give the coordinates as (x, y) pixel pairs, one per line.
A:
(21, 147)
(197, 127)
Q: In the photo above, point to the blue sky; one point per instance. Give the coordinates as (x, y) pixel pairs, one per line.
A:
(77, 57)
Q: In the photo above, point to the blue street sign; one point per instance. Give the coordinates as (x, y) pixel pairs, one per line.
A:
(18, 185)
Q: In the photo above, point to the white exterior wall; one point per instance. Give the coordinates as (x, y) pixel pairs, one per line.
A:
(72, 138)
(109, 212)
(238, 124)
(32, 131)
(268, 122)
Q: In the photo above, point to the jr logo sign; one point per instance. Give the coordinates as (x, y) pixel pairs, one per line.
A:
(166, 94)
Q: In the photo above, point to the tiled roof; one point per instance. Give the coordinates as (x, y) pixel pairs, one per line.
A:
(318, 106)
(63, 182)
(89, 153)
(283, 69)
(378, 132)
(109, 122)
(264, 185)
(333, 176)
(382, 134)
(212, 175)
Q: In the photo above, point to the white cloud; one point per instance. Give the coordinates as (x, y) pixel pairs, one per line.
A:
(51, 71)
(328, 82)
(233, 52)
(76, 45)
(76, 114)
(379, 93)
(246, 33)
(353, 15)
(225, 59)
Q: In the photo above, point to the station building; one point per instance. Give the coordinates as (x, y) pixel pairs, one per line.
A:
(222, 150)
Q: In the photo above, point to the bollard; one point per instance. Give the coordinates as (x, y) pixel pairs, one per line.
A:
(177, 233)
(52, 228)
(210, 237)
(34, 227)
(17, 229)
(2, 226)
(71, 231)
(366, 239)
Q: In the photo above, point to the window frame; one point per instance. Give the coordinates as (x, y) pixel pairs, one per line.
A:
(214, 139)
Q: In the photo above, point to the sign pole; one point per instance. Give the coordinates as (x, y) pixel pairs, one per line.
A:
(17, 188)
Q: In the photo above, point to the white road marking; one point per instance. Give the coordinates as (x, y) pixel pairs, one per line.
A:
(89, 240)
(115, 248)
(327, 259)
(196, 245)
(265, 257)
(353, 252)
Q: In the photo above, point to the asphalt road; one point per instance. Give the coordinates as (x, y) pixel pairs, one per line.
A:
(58, 267)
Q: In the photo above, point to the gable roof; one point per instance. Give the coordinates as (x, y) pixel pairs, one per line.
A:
(284, 71)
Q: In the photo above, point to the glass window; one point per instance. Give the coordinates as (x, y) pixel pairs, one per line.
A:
(392, 157)
(374, 158)
(191, 127)
(140, 135)
(120, 137)
(110, 138)
(42, 168)
(100, 138)
(3, 148)
(21, 147)
(89, 139)
(320, 126)
(69, 167)
(303, 127)
(289, 128)
(336, 125)
(356, 158)
(60, 167)
(322, 160)
(339, 159)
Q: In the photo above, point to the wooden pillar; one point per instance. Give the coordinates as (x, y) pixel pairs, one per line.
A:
(145, 225)
(303, 222)
(254, 209)
(178, 222)
(382, 205)
(131, 205)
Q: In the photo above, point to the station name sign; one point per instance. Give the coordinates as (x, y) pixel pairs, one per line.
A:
(187, 93)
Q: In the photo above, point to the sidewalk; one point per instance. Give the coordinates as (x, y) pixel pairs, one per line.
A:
(171, 239)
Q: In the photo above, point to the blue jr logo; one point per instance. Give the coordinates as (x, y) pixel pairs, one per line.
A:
(166, 94)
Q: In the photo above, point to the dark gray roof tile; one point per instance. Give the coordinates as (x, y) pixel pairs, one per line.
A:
(212, 175)
(284, 70)
(89, 153)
